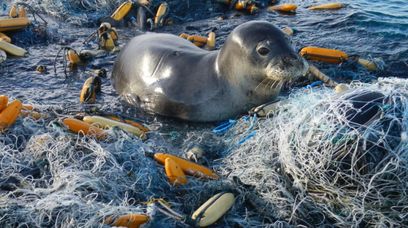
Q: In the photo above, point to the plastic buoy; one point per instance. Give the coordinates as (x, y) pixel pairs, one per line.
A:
(341, 88)
(240, 5)
(252, 9)
(174, 172)
(13, 11)
(105, 123)
(369, 65)
(211, 41)
(245, 5)
(3, 102)
(197, 40)
(184, 35)
(323, 54)
(287, 8)
(328, 6)
(11, 24)
(91, 86)
(107, 41)
(73, 57)
(108, 36)
(129, 221)
(87, 129)
(27, 107)
(122, 11)
(9, 115)
(12, 49)
(160, 14)
(41, 69)
(213, 209)
(131, 122)
(22, 12)
(189, 168)
(4, 37)
(201, 41)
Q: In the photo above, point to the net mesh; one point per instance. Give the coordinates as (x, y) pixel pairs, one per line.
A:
(305, 165)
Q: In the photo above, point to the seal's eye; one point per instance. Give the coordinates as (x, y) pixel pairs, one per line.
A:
(263, 51)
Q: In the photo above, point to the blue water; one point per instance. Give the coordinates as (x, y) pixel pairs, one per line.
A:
(371, 29)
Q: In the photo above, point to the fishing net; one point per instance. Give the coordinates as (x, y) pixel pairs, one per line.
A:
(52, 178)
(314, 166)
(308, 164)
(88, 12)
(83, 12)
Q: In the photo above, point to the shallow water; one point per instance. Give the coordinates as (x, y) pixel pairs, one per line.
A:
(371, 29)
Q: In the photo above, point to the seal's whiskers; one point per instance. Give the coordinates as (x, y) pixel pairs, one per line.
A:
(260, 83)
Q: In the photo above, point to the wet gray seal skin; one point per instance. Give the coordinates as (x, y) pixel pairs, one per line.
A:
(168, 75)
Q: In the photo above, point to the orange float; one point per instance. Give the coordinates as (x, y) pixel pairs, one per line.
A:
(3, 102)
(287, 8)
(323, 54)
(189, 168)
(174, 172)
(87, 129)
(129, 221)
(9, 115)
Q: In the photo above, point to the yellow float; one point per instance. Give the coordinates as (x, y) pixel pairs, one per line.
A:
(328, 6)
(286, 8)
(12, 24)
(122, 11)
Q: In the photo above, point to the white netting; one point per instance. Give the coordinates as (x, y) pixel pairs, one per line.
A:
(306, 165)
(314, 167)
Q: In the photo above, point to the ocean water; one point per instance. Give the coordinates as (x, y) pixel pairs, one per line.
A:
(369, 28)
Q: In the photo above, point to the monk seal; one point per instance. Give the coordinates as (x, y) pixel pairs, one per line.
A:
(169, 76)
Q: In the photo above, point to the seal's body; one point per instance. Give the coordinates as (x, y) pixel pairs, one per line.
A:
(168, 75)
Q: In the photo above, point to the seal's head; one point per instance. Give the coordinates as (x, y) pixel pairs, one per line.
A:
(262, 51)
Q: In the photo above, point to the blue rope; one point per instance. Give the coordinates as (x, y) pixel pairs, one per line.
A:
(314, 84)
(252, 134)
(224, 127)
(252, 119)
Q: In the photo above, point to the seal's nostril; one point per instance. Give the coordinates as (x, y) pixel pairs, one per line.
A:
(287, 61)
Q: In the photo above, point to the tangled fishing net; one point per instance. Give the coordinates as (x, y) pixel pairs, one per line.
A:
(313, 166)
(52, 178)
(88, 12)
(82, 12)
(307, 164)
